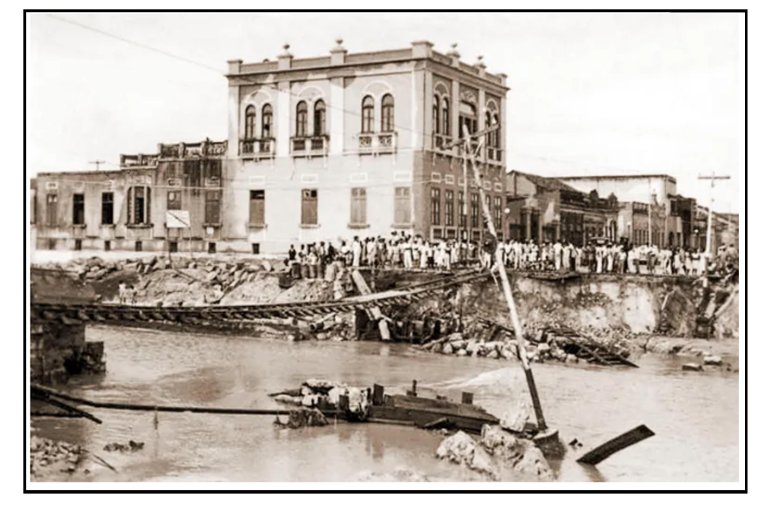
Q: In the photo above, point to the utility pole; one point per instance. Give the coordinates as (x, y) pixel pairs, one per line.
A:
(97, 163)
(713, 178)
(499, 266)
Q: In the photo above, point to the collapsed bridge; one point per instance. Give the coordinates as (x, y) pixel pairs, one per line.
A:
(85, 312)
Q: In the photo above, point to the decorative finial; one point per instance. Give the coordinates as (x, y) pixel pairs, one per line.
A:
(338, 40)
(286, 46)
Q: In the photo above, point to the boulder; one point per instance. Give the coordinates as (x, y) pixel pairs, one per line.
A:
(494, 354)
(712, 360)
(515, 419)
(543, 348)
(457, 345)
(571, 359)
(521, 455)
(447, 349)
(461, 353)
(691, 366)
(461, 449)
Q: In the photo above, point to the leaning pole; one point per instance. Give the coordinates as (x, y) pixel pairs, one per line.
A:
(507, 292)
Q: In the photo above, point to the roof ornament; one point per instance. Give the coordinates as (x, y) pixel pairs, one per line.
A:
(453, 52)
(286, 52)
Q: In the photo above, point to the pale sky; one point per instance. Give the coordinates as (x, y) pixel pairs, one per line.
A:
(589, 93)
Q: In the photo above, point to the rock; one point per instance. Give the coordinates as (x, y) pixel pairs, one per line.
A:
(462, 449)
(543, 348)
(494, 354)
(571, 359)
(507, 354)
(691, 366)
(516, 419)
(454, 337)
(712, 360)
(471, 348)
(447, 348)
(267, 266)
(516, 453)
(461, 353)
(457, 345)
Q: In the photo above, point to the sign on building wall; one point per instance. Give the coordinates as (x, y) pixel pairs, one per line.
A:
(177, 219)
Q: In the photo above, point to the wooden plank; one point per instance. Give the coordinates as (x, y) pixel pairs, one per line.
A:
(375, 311)
(613, 446)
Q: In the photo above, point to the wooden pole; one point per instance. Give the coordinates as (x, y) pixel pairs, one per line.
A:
(507, 292)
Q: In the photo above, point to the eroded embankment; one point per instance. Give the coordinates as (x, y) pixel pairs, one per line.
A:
(608, 307)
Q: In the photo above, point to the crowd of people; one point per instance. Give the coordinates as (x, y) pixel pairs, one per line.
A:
(405, 251)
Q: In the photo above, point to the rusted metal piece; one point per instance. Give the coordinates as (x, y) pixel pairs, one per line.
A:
(613, 446)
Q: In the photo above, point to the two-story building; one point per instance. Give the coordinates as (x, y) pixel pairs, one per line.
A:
(358, 144)
(129, 208)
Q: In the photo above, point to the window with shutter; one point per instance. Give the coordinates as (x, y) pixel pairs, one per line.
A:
(449, 208)
(358, 206)
(257, 207)
(51, 206)
(211, 215)
(435, 206)
(309, 207)
(403, 207)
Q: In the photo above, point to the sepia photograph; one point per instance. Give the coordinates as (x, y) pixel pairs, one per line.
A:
(385, 250)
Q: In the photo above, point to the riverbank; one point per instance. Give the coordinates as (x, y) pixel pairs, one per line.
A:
(622, 313)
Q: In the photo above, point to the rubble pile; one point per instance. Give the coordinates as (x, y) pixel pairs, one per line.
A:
(496, 450)
(51, 458)
(325, 394)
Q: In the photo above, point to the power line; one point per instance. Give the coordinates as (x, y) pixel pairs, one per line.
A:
(219, 72)
(135, 43)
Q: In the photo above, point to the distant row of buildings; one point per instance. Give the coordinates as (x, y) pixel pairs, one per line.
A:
(344, 145)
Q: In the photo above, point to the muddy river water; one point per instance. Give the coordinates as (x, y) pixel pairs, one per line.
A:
(694, 415)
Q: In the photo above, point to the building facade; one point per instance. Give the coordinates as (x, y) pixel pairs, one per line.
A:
(129, 208)
(545, 209)
(340, 145)
(651, 209)
(350, 145)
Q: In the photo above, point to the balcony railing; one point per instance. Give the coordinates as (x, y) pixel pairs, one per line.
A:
(138, 161)
(494, 154)
(206, 148)
(441, 143)
(264, 147)
(309, 145)
(383, 142)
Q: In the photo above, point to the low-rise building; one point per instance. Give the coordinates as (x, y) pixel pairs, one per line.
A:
(134, 207)
(546, 209)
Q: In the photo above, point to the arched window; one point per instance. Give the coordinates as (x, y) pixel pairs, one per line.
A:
(445, 117)
(301, 119)
(367, 115)
(250, 122)
(267, 121)
(319, 118)
(436, 118)
(387, 114)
